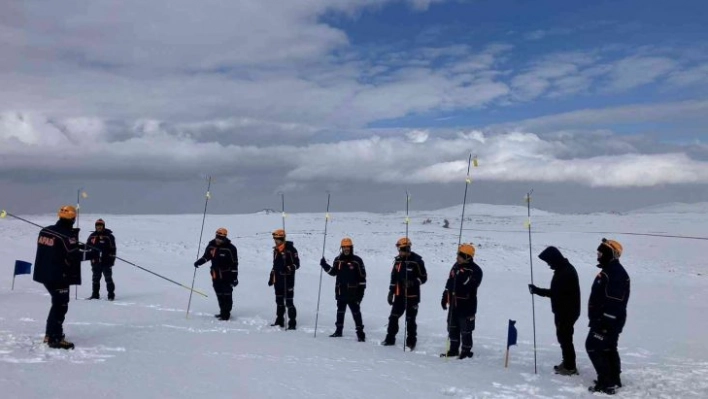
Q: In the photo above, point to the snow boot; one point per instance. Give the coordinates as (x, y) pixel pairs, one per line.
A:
(466, 354)
(111, 296)
(450, 354)
(224, 317)
(360, 336)
(411, 344)
(561, 370)
(279, 323)
(60, 344)
(607, 390)
(336, 334)
(94, 296)
(388, 342)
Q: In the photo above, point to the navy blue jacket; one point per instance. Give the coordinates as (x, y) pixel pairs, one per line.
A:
(285, 262)
(104, 242)
(224, 260)
(351, 277)
(565, 287)
(607, 307)
(58, 258)
(407, 275)
(461, 288)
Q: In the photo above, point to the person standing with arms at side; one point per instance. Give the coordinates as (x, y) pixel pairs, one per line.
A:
(57, 266)
(607, 311)
(460, 296)
(103, 240)
(407, 275)
(565, 304)
(282, 278)
(224, 270)
(349, 287)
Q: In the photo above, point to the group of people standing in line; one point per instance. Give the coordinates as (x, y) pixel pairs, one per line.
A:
(59, 254)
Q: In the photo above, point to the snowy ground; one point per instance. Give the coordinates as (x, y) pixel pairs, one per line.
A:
(143, 346)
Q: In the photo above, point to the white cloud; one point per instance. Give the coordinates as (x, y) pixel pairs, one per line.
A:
(677, 111)
(611, 161)
(697, 75)
(632, 72)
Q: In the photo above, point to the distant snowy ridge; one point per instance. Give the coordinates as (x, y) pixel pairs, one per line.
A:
(675, 207)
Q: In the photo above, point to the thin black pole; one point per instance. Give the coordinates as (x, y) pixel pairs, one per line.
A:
(533, 304)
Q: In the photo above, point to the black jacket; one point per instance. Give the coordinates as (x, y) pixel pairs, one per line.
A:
(565, 287)
(224, 260)
(104, 242)
(607, 307)
(407, 275)
(58, 258)
(461, 288)
(285, 262)
(351, 277)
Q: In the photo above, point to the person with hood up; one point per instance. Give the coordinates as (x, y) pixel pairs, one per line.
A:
(565, 304)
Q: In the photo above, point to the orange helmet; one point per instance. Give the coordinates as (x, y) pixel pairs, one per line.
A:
(100, 222)
(347, 242)
(616, 247)
(67, 212)
(466, 251)
(403, 242)
(279, 234)
(222, 232)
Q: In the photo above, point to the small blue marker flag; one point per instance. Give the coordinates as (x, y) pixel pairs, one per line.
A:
(511, 336)
(22, 267)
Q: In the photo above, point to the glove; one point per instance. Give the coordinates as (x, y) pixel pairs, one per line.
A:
(289, 268)
(323, 263)
(390, 298)
(270, 280)
(532, 289)
(234, 282)
(443, 303)
(197, 264)
(360, 295)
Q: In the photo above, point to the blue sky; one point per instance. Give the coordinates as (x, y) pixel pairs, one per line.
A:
(598, 99)
(611, 30)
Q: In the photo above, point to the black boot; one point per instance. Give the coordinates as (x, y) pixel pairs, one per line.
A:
(388, 341)
(450, 353)
(410, 343)
(60, 344)
(111, 296)
(279, 323)
(94, 296)
(336, 334)
(360, 336)
(466, 354)
(224, 316)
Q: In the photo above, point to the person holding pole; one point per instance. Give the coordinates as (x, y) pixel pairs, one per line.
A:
(460, 301)
(58, 265)
(224, 270)
(349, 286)
(407, 275)
(282, 277)
(565, 304)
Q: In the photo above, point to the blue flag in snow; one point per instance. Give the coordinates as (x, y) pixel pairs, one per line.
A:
(22, 267)
(511, 336)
